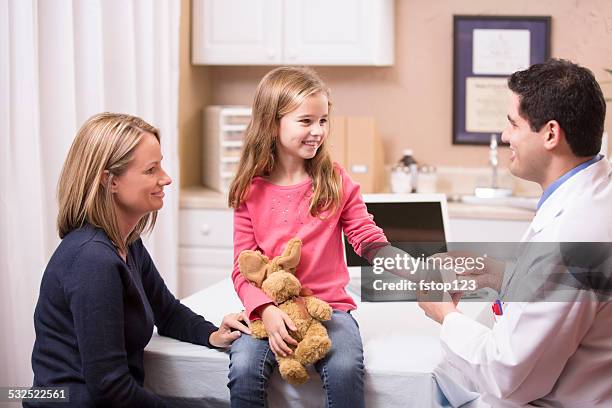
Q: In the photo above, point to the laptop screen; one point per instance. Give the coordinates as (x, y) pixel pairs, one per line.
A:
(416, 223)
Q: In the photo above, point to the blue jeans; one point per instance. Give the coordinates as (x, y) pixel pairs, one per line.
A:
(341, 371)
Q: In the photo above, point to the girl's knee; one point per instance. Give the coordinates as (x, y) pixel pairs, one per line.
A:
(346, 368)
(345, 364)
(241, 366)
(249, 357)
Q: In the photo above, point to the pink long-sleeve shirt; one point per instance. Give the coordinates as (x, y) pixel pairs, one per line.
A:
(272, 215)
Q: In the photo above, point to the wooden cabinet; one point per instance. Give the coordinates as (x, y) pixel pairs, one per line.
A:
(206, 249)
(236, 32)
(304, 32)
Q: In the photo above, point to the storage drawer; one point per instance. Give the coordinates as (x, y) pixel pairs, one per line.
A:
(194, 279)
(214, 257)
(210, 228)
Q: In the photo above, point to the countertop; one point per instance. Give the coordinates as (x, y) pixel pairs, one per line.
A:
(203, 198)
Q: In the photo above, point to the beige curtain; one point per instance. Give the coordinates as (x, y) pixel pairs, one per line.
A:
(61, 62)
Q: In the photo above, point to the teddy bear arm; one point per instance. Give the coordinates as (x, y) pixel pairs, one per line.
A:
(291, 370)
(318, 308)
(315, 344)
(258, 330)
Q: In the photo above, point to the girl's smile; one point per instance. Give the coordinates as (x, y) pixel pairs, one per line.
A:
(302, 131)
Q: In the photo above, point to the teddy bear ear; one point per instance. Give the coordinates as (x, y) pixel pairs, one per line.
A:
(253, 266)
(291, 256)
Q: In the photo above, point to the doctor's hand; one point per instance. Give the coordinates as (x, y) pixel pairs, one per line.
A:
(276, 323)
(484, 272)
(231, 328)
(437, 311)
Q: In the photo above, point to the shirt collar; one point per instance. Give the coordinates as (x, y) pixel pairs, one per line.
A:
(558, 182)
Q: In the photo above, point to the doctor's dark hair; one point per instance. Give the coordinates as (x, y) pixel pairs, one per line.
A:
(560, 90)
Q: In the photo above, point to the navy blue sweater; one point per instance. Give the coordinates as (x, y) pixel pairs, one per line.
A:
(94, 317)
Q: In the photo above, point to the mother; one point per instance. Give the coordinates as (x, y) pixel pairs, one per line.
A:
(101, 293)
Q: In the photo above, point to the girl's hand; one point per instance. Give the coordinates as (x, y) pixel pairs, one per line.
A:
(276, 323)
(231, 327)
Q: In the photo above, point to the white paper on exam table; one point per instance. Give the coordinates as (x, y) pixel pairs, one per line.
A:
(401, 349)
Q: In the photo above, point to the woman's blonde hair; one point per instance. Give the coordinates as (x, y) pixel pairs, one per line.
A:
(105, 142)
(281, 91)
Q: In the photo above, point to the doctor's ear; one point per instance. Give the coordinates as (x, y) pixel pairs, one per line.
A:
(108, 181)
(553, 134)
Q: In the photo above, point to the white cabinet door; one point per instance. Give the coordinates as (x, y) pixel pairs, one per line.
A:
(235, 31)
(215, 257)
(196, 278)
(206, 228)
(206, 252)
(339, 32)
(311, 32)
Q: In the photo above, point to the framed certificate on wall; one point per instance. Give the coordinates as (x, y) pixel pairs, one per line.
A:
(486, 50)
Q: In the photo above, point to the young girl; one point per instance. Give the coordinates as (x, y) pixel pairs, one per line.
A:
(287, 186)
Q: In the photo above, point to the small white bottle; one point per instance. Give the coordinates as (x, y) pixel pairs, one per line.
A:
(427, 179)
(404, 174)
(401, 179)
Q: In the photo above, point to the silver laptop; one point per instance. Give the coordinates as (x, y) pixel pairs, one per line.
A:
(416, 223)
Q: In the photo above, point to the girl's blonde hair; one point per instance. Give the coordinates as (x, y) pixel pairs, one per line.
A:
(105, 142)
(281, 91)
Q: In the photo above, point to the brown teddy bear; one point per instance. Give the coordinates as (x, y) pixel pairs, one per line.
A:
(277, 279)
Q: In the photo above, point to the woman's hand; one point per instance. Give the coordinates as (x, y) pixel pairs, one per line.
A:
(276, 323)
(225, 336)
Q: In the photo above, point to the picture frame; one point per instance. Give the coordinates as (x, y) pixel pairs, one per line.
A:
(486, 51)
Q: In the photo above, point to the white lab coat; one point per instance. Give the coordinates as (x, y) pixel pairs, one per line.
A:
(545, 353)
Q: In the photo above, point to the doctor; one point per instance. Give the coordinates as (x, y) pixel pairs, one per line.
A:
(545, 353)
